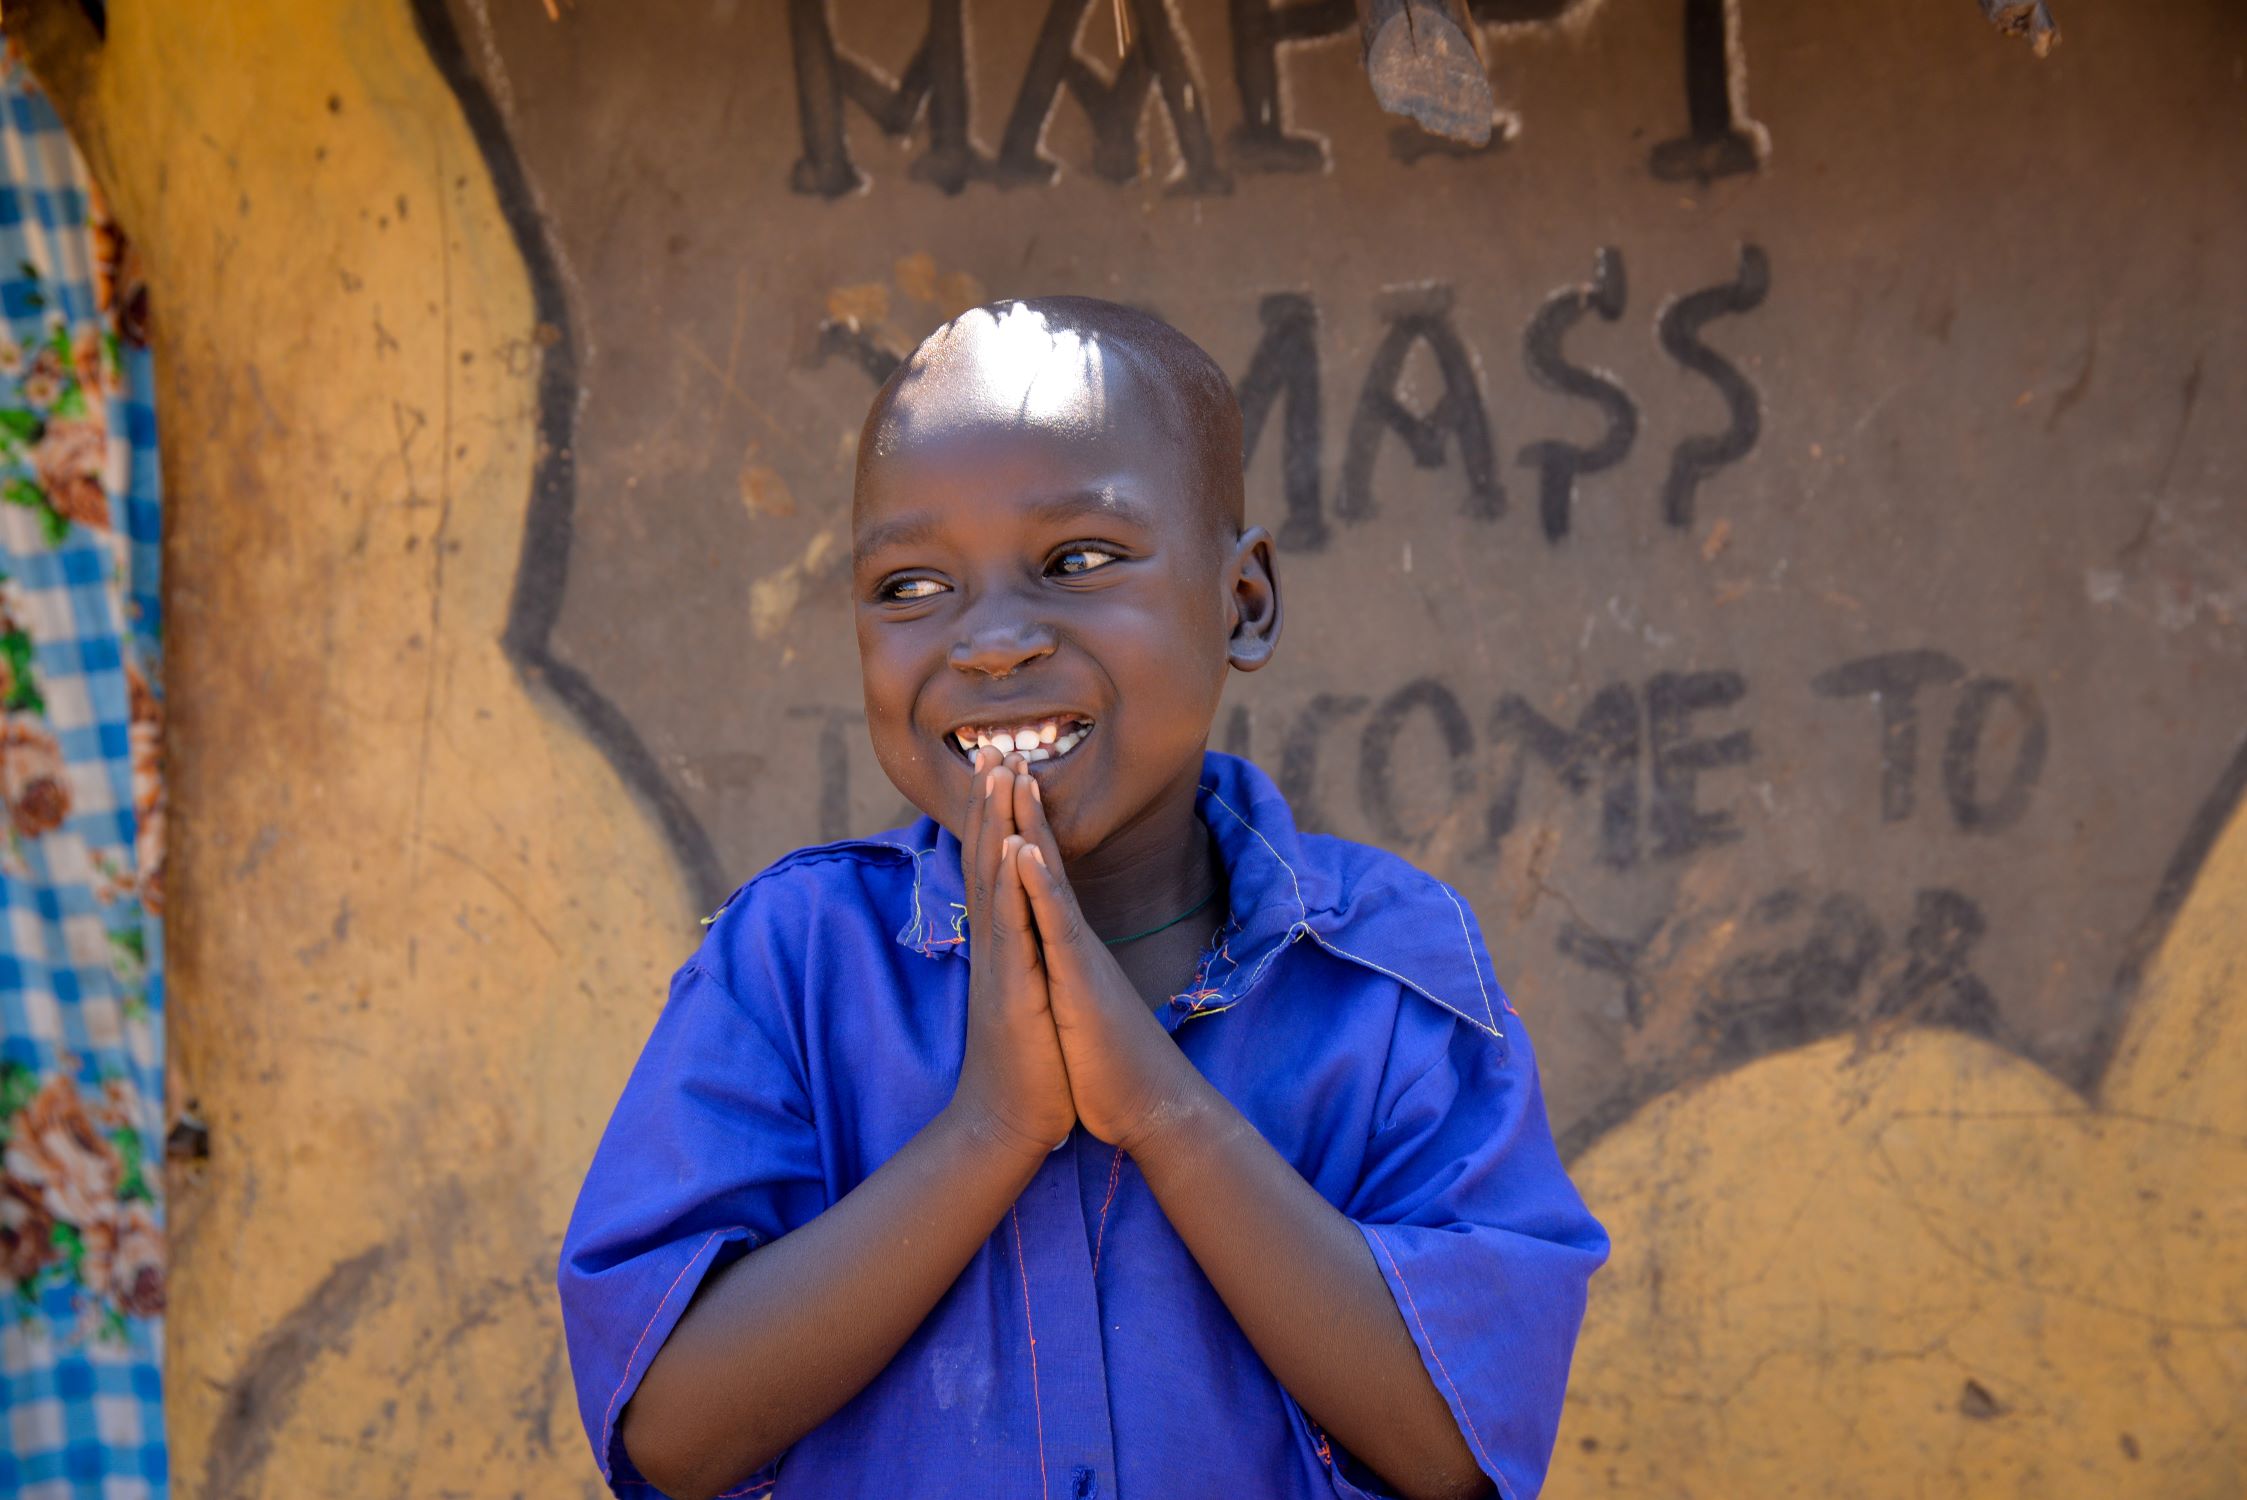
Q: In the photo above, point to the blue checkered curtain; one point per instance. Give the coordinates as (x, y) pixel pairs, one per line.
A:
(82, 1261)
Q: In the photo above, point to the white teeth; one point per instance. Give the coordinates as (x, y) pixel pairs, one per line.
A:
(1045, 740)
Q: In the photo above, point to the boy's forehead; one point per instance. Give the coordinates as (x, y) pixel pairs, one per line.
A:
(1021, 410)
(978, 471)
(1029, 402)
(1013, 367)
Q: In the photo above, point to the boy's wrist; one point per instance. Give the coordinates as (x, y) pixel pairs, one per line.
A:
(1181, 1126)
(986, 1139)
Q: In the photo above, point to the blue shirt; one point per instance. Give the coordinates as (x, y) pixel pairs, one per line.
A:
(1347, 1008)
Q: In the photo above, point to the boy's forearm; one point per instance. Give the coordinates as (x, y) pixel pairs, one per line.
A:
(778, 1341)
(1299, 1279)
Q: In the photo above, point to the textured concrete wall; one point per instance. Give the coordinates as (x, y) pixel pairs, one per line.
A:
(1850, 785)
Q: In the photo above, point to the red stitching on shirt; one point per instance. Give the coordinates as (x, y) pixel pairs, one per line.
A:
(608, 1431)
(749, 1489)
(1037, 1408)
(1480, 1451)
(1115, 1170)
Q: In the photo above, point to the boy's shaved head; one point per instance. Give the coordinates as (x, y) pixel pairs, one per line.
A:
(1074, 366)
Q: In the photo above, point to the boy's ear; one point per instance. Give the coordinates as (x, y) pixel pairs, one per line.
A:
(1253, 585)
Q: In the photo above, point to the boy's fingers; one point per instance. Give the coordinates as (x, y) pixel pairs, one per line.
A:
(1061, 925)
(983, 859)
(1029, 816)
(1002, 804)
(971, 838)
(1010, 906)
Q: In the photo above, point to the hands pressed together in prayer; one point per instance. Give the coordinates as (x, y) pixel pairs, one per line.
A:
(1056, 1033)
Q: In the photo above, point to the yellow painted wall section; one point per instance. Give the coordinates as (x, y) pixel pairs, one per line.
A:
(419, 930)
(1917, 1266)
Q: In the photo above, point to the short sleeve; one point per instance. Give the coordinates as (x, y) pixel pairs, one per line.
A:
(710, 1153)
(1485, 1244)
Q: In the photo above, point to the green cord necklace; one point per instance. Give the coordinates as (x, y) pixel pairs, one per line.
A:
(1164, 927)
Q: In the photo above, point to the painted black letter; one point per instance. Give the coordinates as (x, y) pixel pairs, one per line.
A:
(1559, 463)
(1376, 781)
(1720, 140)
(1694, 459)
(1285, 369)
(1945, 927)
(936, 79)
(1421, 315)
(1605, 742)
(1261, 142)
(1672, 698)
(1768, 999)
(1962, 755)
(1892, 680)
(1158, 55)
(1299, 754)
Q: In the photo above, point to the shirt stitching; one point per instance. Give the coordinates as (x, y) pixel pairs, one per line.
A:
(1301, 909)
(1115, 1170)
(1037, 1407)
(1301, 927)
(1425, 1338)
(1417, 989)
(608, 1428)
(1468, 938)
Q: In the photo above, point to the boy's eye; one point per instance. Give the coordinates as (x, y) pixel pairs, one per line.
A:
(909, 590)
(1074, 560)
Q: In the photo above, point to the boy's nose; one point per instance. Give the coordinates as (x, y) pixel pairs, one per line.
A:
(1000, 649)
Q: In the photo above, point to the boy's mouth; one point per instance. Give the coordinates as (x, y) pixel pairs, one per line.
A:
(1036, 739)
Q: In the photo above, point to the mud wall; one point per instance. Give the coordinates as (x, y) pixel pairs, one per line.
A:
(1766, 528)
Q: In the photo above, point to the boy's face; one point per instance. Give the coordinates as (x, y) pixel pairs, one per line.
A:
(1031, 564)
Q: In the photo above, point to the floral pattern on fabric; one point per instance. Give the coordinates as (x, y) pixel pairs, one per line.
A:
(82, 1255)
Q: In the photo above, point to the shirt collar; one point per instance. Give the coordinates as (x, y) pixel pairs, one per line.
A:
(1360, 904)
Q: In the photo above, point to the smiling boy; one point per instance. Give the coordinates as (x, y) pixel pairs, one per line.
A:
(1099, 1134)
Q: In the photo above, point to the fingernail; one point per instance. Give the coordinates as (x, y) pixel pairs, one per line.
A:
(1037, 793)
